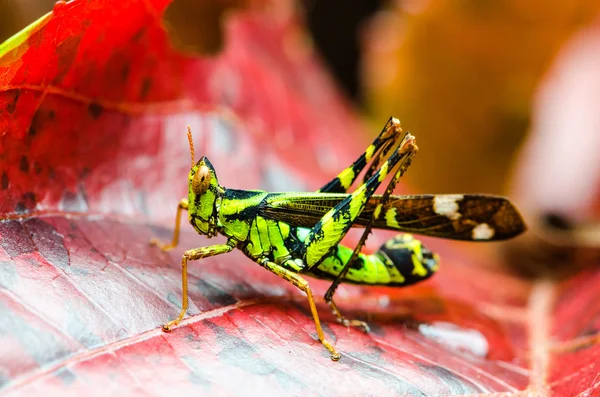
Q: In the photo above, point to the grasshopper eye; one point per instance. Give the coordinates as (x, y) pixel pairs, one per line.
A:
(201, 180)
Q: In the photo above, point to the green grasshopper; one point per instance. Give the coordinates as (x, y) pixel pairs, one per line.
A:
(290, 234)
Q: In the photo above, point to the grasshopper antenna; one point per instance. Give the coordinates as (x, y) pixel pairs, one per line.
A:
(191, 141)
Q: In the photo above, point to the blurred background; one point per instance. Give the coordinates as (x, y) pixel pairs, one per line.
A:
(503, 97)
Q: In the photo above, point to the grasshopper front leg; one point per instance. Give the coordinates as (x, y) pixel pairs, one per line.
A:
(183, 205)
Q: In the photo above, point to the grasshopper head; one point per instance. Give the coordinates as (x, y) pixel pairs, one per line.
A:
(203, 194)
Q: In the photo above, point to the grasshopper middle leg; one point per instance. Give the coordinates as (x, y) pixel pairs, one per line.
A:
(302, 284)
(193, 254)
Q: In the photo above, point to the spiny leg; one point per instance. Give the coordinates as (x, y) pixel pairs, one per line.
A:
(302, 284)
(387, 138)
(194, 254)
(334, 225)
(380, 157)
(411, 151)
(183, 205)
(377, 151)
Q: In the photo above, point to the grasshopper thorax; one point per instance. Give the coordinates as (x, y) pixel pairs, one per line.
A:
(204, 195)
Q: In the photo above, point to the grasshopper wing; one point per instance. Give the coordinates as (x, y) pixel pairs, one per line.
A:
(452, 216)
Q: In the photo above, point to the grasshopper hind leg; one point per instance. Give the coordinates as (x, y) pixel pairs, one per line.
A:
(343, 320)
(406, 150)
(374, 153)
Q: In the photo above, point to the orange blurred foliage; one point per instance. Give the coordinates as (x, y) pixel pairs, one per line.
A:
(461, 76)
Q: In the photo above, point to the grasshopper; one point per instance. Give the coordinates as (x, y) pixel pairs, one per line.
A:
(296, 234)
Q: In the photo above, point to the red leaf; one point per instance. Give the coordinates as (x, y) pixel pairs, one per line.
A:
(93, 108)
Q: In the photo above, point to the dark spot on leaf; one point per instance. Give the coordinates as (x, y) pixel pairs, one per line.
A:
(139, 34)
(66, 51)
(146, 85)
(49, 242)
(39, 119)
(74, 201)
(124, 72)
(95, 110)
(15, 239)
(84, 172)
(27, 203)
(5, 180)
(29, 199)
(116, 67)
(37, 168)
(24, 164)
(12, 105)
